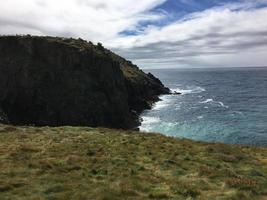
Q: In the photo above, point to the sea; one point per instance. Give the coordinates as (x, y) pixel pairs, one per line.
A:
(227, 105)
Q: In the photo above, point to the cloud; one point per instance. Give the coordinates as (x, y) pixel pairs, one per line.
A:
(231, 34)
(220, 36)
(91, 19)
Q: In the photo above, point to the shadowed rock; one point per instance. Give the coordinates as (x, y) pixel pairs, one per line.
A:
(56, 81)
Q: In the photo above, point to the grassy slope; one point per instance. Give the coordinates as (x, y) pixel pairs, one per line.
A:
(86, 163)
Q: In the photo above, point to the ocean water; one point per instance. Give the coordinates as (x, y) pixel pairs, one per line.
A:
(216, 105)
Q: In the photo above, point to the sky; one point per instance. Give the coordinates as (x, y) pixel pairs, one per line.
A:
(152, 33)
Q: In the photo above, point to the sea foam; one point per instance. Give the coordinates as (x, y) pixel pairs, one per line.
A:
(150, 120)
(148, 123)
(215, 102)
(207, 101)
(165, 101)
(189, 90)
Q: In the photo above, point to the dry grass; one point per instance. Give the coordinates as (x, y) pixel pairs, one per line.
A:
(85, 163)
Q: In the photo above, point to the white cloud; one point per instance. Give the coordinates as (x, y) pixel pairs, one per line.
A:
(229, 35)
(221, 36)
(90, 19)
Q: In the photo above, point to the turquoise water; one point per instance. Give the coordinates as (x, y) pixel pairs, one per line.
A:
(222, 105)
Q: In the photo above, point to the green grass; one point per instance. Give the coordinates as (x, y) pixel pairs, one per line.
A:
(97, 163)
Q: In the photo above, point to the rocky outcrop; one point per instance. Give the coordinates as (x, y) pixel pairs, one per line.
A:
(56, 81)
(143, 89)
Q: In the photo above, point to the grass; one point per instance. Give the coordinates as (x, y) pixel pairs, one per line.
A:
(97, 163)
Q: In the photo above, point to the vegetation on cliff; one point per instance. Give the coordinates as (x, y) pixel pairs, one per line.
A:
(59, 81)
(96, 163)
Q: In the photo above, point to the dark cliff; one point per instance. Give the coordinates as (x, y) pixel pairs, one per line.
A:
(143, 89)
(56, 81)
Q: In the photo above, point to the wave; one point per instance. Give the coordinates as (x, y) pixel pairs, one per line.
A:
(189, 90)
(207, 101)
(150, 120)
(165, 101)
(148, 123)
(152, 124)
(221, 103)
(216, 102)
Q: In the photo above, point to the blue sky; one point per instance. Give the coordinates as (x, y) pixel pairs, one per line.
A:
(152, 33)
(177, 9)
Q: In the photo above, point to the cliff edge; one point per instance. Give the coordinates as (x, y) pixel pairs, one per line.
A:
(58, 81)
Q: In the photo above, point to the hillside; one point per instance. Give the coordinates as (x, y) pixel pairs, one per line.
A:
(97, 163)
(63, 81)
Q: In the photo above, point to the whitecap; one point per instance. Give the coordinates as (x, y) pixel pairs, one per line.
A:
(221, 103)
(165, 101)
(188, 90)
(207, 101)
(148, 123)
(150, 120)
(216, 102)
(159, 106)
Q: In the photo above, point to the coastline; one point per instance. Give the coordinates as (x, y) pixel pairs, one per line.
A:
(223, 105)
(54, 81)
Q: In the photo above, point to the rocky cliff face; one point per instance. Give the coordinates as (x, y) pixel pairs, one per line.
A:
(57, 81)
(143, 89)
